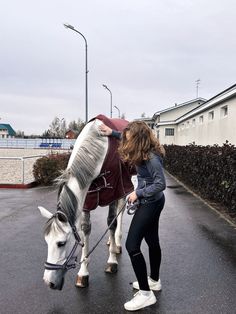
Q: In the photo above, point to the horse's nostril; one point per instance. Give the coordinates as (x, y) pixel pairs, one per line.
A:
(52, 285)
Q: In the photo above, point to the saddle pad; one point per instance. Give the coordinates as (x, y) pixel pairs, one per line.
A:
(114, 181)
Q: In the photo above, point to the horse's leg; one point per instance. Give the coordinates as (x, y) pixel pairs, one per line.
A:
(118, 232)
(112, 263)
(82, 280)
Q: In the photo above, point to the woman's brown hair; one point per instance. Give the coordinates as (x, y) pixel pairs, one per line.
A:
(137, 142)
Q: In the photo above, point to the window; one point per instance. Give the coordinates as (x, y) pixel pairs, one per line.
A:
(211, 115)
(194, 122)
(224, 111)
(169, 131)
(187, 125)
(201, 119)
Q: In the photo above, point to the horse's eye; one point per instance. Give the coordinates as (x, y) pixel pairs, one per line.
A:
(60, 244)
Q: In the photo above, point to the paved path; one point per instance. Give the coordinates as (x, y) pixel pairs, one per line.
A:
(198, 269)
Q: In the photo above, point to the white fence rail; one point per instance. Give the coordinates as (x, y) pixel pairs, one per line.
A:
(17, 170)
(36, 143)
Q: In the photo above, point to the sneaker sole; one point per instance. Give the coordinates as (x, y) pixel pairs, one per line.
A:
(148, 303)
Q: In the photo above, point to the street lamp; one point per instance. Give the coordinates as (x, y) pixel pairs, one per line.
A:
(86, 69)
(111, 97)
(118, 111)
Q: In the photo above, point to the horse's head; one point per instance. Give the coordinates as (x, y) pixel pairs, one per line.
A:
(62, 240)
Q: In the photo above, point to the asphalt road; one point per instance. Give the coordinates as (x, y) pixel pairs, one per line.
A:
(198, 269)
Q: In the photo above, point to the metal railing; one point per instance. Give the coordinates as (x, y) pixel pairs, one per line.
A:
(14, 172)
(36, 143)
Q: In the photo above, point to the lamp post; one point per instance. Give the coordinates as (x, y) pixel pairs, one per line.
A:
(118, 111)
(111, 98)
(86, 68)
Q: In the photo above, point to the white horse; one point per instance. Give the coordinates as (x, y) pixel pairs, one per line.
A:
(65, 229)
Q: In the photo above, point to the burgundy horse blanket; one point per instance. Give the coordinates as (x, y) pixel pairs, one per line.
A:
(114, 181)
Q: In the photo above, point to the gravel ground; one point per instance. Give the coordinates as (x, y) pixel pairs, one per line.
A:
(16, 171)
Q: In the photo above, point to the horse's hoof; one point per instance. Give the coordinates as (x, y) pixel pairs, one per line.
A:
(118, 250)
(111, 268)
(82, 282)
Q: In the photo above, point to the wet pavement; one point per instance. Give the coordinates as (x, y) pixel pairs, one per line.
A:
(198, 269)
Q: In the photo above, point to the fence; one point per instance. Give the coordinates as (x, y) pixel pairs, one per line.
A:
(17, 170)
(37, 143)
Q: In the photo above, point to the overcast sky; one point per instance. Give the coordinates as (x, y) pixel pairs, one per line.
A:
(148, 52)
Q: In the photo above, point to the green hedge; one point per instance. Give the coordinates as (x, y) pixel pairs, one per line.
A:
(208, 170)
(48, 168)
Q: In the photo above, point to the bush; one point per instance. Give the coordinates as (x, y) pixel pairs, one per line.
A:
(208, 170)
(48, 168)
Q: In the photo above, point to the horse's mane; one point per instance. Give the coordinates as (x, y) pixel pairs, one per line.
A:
(67, 204)
(83, 170)
(86, 159)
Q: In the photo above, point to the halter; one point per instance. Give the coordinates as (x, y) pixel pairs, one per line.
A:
(66, 266)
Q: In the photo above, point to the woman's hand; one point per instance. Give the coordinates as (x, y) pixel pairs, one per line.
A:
(105, 130)
(132, 197)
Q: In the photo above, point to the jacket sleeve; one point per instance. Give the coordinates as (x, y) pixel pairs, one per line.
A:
(155, 168)
(116, 134)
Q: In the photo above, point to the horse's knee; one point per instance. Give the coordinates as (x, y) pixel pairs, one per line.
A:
(86, 228)
(85, 223)
(112, 226)
(111, 216)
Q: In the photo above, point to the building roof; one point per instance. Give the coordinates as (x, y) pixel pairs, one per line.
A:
(225, 94)
(179, 105)
(10, 130)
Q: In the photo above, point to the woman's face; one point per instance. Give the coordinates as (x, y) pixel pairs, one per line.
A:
(127, 134)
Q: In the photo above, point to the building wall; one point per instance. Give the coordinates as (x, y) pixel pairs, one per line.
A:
(166, 139)
(3, 134)
(70, 134)
(210, 131)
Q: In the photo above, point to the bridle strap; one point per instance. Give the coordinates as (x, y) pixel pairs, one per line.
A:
(66, 265)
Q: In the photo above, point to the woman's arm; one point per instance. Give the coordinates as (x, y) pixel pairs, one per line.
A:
(106, 131)
(155, 169)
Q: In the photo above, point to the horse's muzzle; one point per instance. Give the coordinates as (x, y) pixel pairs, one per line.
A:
(55, 286)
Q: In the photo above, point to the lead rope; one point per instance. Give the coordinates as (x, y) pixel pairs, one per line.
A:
(103, 235)
(132, 207)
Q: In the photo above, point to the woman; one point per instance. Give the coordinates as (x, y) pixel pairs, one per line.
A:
(140, 148)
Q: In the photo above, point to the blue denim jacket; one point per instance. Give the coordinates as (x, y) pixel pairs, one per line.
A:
(150, 175)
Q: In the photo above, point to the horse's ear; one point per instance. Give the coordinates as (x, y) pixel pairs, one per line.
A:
(44, 212)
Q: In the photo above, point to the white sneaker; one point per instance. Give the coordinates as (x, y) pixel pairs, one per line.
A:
(140, 301)
(153, 285)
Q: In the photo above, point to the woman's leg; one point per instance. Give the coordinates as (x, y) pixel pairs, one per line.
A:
(141, 222)
(152, 239)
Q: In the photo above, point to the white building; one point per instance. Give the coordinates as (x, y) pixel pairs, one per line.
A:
(6, 131)
(164, 120)
(208, 123)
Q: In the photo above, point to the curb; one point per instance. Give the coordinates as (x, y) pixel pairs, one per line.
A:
(18, 186)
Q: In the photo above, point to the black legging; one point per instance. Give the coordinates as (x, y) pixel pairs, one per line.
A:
(145, 225)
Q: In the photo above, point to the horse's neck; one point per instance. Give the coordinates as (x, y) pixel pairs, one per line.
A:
(73, 183)
(78, 192)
